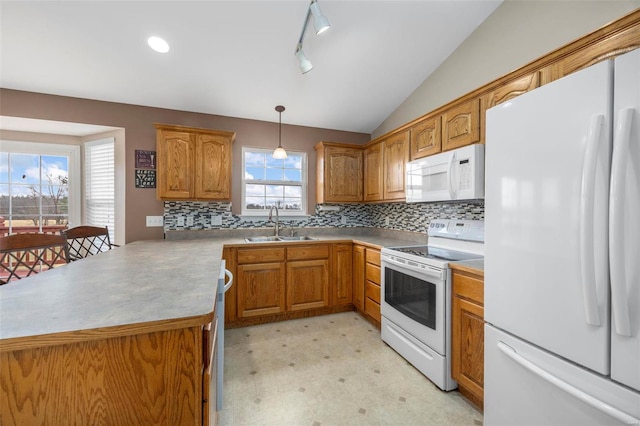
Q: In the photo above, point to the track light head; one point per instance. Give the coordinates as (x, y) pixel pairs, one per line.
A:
(320, 22)
(305, 64)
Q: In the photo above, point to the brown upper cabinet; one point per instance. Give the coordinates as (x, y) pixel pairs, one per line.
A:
(513, 89)
(193, 164)
(426, 137)
(339, 173)
(461, 125)
(395, 157)
(373, 172)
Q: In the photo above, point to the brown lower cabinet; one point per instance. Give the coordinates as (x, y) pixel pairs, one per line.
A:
(366, 282)
(282, 281)
(467, 335)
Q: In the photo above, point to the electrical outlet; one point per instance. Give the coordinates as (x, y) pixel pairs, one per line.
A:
(155, 221)
(216, 220)
(343, 219)
(180, 220)
(189, 220)
(386, 221)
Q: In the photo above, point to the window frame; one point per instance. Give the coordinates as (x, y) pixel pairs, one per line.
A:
(303, 185)
(75, 174)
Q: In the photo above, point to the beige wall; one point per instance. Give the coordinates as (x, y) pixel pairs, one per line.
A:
(518, 32)
(137, 122)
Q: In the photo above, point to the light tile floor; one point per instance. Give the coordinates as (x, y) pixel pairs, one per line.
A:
(329, 370)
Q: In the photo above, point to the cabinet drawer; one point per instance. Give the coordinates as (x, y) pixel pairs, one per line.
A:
(468, 287)
(373, 256)
(260, 255)
(372, 309)
(373, 273)
(373, 291)
(316, 251)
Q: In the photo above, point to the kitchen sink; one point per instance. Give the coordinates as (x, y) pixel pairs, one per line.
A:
(272, 238)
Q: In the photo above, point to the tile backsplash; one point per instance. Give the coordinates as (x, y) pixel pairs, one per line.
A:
(415, 217)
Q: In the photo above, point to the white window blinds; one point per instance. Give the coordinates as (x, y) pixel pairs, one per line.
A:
(99, 198)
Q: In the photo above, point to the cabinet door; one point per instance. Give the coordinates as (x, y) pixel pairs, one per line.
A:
(461, 125)
(213, 167)
(307, 284)
(341, 273)
(513, 89)
(373, 190)
(396, 156)
(343, 174)
(358, 277)
(467, 336)
(261, 289)
(426, 138)
(175, 165)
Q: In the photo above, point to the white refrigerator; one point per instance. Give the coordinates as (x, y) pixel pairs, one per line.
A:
(562, 251)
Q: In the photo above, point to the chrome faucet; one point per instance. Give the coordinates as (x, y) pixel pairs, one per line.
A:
(277, 234)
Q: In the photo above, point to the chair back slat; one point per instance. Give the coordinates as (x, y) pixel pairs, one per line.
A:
(22, 255)
(86, 241)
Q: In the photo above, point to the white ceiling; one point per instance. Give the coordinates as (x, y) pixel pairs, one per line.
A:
(236, 58)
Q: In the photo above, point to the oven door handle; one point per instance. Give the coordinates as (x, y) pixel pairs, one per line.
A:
(414, 266)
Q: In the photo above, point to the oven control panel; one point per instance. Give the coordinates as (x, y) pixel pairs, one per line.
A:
(457, 229)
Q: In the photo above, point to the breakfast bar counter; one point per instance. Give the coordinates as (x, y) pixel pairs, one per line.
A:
(123, 337)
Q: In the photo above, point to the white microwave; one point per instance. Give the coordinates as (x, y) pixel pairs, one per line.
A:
(452, 175)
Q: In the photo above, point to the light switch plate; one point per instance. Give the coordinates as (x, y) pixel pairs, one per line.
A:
(216, 220)
(153, 221)
(180, 220)
(189, 220)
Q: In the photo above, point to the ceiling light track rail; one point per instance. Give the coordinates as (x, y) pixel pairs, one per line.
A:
(321, 24)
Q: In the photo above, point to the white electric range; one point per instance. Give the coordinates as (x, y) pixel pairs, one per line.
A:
(416, 295)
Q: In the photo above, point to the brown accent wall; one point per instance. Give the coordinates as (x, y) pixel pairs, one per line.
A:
(140, 134)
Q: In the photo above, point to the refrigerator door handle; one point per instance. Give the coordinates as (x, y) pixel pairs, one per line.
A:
(566, 387)
(619, 304)
(229, 283)
(587, 206)
(452, 190)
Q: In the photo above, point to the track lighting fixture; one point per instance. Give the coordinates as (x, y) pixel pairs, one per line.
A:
(279, 152)
(321, 23)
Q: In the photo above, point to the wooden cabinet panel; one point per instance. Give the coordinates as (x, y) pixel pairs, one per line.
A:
(261, 289)
(257, 255)
(373, 173)
(148, 378)
(175, 152)
(467, 335)
(513, 89)
(213, 170)
(339, 173)
(341, 274)
(230, 297)
(426, 138)
(372, 309)
(314, 251)
(372, 273)
(358, 277)
(396, 156)
(307, 284)
(373, 291)
(461, 125)
(193, 164)
(373, 256)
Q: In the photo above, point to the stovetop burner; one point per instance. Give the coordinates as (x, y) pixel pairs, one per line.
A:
(435, 253)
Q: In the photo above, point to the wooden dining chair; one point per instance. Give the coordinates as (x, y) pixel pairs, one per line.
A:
(87, 240)
(22, 255)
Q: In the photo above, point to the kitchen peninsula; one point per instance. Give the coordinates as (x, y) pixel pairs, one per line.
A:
(124, 337)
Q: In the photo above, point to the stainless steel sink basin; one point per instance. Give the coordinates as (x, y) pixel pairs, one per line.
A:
(297, 238)
(261, 239)
(272, 238)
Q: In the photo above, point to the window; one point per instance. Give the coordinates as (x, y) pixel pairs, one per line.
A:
(99, 179)
(39, 187)
(268, 182)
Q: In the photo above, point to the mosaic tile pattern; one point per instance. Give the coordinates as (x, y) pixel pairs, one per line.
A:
(329, 370)
(414, 217)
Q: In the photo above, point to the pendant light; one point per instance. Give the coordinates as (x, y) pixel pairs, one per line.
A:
(279, 152)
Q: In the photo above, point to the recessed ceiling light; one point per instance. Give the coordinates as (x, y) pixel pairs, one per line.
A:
(158, 44)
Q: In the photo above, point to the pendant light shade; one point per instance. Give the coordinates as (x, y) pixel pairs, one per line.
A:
(279, 153)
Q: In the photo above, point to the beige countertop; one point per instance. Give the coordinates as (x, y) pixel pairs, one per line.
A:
(474, 266)
(145, 284)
